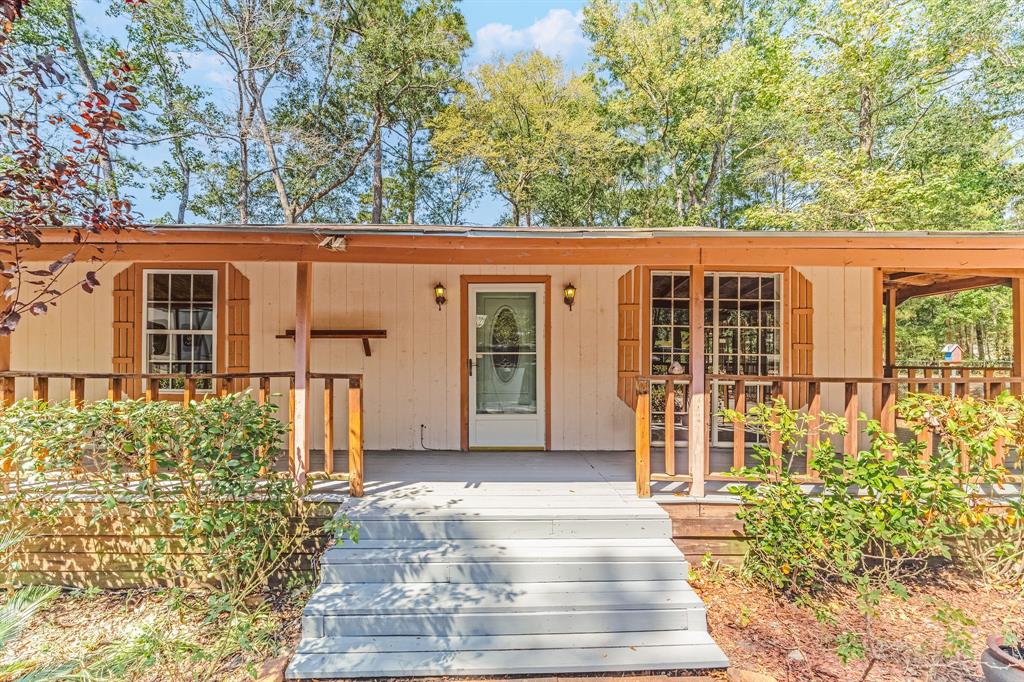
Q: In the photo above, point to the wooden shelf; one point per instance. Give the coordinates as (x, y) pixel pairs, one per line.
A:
(364, 334)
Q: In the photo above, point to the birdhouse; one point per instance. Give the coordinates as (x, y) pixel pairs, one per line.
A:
(952, 354)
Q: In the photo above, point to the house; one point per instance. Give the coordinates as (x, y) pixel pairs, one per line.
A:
(557, 355)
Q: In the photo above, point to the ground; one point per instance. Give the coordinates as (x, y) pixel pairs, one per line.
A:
(139, 635)
(143, 636)
(762, 633)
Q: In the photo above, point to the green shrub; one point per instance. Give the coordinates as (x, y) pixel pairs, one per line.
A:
(207, 468)
(878, 514)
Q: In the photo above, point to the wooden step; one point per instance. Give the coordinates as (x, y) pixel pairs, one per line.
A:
(466, 527)
(700, 653)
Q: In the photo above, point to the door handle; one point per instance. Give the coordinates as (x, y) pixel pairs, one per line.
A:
(469, 364)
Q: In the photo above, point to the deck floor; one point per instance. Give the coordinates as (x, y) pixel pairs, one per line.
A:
(416, 474)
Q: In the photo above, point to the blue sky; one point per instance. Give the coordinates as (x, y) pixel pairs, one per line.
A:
(498, 27)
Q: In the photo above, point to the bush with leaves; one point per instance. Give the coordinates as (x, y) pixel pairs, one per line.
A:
(204, 471)
(883, 514)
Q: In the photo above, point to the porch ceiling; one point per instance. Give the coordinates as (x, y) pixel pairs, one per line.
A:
(909, 284)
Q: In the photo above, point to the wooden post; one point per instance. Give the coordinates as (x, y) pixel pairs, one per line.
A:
(814, 425)
(7, 387)
(189, 394)
(328, 425)
(670, 427)
(355, 437)
(890, 333)
(40, 389)
(1017, 285)
(303, 326)
(77, 392)
(643, 439)
(851, 444)
(739, 429)
(264, 391)
(115, 388)
(889, 407)
(775, 438)
(698, 426)
(152, 390)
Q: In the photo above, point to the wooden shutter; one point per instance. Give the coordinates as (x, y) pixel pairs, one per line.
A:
(237, 321)
(128, 327)
(801, 332)
(629, 334)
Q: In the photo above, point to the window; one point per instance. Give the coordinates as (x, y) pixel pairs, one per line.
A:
(180, 324)
(742, 335)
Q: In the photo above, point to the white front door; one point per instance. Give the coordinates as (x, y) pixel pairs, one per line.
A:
(506, 366)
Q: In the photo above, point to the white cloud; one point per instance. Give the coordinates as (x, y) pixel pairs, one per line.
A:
(206, 68)
(557, 34)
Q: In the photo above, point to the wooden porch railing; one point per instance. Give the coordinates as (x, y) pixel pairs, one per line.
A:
(189, 387)
(664, 400)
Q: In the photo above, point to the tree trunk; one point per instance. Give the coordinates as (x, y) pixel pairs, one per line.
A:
(410, 169)
(186, 177)
(243, 156)
(106, 165)
(865, 131)
(378, 180)
(256, 107)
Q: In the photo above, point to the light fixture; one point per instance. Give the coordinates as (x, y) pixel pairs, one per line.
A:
(439, 295)
(569, 294)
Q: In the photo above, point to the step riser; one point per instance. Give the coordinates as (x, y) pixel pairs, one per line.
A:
(429, 625)
(474, 663)
(503, 572)
(373, 529)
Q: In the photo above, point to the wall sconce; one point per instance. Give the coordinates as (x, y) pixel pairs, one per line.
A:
(439, 295)
(569, 294)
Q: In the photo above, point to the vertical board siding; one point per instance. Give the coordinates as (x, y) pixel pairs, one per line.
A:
(412, 378)
(842, 328)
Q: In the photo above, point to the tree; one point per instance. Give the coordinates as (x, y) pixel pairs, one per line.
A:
(55, 170)
(525, 121)
(893, 127)
(695, 89)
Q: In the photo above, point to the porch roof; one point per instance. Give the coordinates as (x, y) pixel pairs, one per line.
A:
(996, 253)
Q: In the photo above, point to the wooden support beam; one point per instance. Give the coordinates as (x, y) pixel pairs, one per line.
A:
(115, 388)
(670, 427)
(814, 427)
(41, 389)
(77, 393)
(739, 429)
(303, 329)
(1017, 310)
(355, 437)
(851, 445)
(642, 437)
(698, 426)
(152, 390)
(7, 391)
(328, 426)
(890, 332)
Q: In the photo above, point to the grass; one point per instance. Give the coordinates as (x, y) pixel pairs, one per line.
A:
(147, 635)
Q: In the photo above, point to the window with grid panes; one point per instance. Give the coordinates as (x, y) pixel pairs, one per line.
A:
(180, 325)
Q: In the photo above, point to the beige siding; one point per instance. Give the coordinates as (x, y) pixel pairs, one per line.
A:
(76, 335)
(412, 378)
(843, 327)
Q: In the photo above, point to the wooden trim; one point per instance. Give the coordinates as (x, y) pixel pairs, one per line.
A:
(1017, 287)
(464, 282)
(698, 426)
(303, 325)
(221, 331)
(877, 337)
(722, 251)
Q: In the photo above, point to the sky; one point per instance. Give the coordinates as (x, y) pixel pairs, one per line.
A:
(497, 27)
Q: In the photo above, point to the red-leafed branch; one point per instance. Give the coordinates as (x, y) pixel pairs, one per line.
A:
(55, 177)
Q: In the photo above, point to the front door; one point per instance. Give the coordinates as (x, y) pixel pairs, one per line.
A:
(506, 366)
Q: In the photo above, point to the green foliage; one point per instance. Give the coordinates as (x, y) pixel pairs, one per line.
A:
(529, 125)
(882, 512)
(206, 467)
(979, 320)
